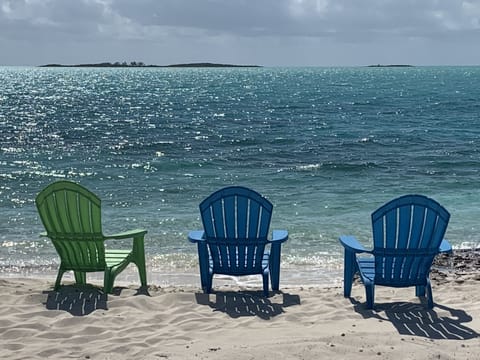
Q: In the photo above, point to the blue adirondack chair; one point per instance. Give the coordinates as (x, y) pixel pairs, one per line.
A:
(234, 241)
(407, 234)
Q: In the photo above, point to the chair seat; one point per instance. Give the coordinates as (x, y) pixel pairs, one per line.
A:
(115, 258)
(366, 267)
(247, 271)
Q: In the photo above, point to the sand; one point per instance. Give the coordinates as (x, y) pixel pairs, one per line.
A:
(235, 323)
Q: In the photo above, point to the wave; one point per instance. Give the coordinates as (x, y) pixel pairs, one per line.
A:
(337, 167)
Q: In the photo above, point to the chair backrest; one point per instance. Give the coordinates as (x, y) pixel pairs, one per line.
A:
(407, 233)
(236, 222)
(71, 215)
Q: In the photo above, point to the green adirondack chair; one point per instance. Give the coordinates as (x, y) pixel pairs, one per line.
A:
(71, 215)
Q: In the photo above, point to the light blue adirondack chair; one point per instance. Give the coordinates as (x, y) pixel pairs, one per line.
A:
(234, 241)
(407, 234)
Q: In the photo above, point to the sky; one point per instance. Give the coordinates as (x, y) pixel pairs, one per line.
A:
(260, 32)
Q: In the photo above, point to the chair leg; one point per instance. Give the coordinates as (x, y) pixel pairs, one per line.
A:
(265, 285)
(143, 274)
(59, 279)
(207, 288)
(108, 278)
(275, 254)
(203, 264)
(419, 290)
(429, 295)
(80, 277)
(139, 258)
(370, 292)
(349, 269)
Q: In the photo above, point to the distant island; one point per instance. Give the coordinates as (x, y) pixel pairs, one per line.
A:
(392, 65)
(139, 64)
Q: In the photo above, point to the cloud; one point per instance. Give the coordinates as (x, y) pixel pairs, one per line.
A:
(188, 27)
(31, 20)
(151, 18)
(304, 17)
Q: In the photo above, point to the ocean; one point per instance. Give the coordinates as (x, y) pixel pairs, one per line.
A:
(327, 146)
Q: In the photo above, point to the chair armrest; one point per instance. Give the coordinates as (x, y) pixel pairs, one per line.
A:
(196, 236)
(279, 236)
(127, 234)
(351, 243)
(445, 247)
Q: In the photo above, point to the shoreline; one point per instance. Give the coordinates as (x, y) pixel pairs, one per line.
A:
(461, 263)
(290, 277)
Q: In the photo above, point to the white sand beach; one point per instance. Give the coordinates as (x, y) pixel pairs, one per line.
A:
(235, 323)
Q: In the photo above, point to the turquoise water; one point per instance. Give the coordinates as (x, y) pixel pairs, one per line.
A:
(326, 145)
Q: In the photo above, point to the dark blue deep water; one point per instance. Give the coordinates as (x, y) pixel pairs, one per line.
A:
(326, 145)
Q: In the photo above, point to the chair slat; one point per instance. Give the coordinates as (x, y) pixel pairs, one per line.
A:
(417, 226)
(218, 220)
(428, 240)
(230, 216)
(404, 227)
(242, 217)
(253, 220)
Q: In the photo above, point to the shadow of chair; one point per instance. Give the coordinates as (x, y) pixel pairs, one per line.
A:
(413, 319)
(81, 300)
(77, 300)
(142, 290)
(248, 303)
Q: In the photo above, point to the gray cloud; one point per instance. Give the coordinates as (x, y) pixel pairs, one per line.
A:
(162, 31)
(305, 17)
